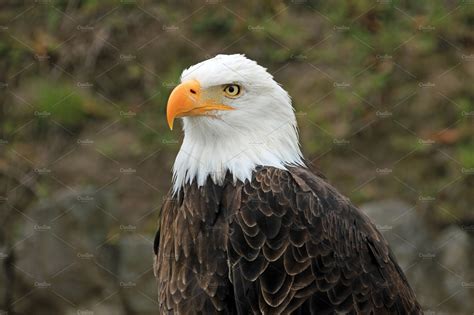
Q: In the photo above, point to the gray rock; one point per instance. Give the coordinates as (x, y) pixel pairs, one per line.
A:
(16, 194)
(74, 256)
(62, 253)
(438, 266)
(136, 273)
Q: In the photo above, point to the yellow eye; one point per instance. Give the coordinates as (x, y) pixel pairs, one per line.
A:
(232, 90)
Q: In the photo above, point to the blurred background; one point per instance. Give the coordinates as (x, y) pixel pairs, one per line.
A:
(384, 97)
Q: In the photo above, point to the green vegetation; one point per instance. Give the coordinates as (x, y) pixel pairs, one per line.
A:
(385, 85)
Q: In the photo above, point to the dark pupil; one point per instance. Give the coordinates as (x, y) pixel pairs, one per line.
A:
(231, 89)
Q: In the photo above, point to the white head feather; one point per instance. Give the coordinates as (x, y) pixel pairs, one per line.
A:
(261, 130)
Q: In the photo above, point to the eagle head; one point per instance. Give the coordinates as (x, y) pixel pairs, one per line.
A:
(235, 117)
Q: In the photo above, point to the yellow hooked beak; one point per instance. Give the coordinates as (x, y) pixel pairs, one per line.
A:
(186, 100)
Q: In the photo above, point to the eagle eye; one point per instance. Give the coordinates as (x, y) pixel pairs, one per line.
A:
(232, 90)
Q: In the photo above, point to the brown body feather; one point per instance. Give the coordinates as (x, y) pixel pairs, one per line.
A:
(285, 242)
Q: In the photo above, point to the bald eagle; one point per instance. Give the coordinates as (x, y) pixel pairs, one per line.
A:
(247, 227)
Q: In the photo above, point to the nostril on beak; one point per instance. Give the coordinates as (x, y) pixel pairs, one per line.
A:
(192, 91)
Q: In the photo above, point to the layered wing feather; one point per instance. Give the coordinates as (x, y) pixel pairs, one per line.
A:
(284, 242)
(191, 253)
(296, 245)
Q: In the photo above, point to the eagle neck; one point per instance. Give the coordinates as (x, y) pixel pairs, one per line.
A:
(213, 153)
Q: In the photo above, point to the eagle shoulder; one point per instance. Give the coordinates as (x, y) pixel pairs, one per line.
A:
(297, 245)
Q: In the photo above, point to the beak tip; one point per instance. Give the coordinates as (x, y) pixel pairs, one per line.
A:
(169, 118)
